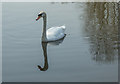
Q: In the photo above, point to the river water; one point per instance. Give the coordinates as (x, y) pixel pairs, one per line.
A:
(88, 53)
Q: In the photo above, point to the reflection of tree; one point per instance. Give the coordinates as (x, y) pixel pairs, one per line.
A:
(119, 29)
(102, 28)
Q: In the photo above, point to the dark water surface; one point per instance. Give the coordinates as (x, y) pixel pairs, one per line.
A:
(88, 53)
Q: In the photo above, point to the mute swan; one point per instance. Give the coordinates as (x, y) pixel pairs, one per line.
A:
(52, 34)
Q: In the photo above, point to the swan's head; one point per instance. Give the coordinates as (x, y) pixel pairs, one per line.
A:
(42, 69)
(41, 14)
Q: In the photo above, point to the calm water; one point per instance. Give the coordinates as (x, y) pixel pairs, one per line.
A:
(88, 53)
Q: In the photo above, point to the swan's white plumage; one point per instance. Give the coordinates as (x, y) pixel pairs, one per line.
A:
(55, 33)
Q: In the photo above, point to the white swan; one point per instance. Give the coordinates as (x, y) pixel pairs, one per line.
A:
(52, 34)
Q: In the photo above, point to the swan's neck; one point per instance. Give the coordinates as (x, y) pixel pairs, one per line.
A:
(44, 38)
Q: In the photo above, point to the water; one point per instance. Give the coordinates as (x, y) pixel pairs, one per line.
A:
(88, 53)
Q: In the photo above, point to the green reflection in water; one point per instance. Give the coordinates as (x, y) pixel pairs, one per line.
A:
(102, 28)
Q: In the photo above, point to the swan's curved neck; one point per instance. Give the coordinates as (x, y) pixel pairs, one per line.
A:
(44, 38)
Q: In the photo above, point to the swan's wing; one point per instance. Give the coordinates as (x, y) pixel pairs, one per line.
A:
(54, 30)
(55, 33)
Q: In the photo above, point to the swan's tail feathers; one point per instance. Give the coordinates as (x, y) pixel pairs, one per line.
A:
(63, 26)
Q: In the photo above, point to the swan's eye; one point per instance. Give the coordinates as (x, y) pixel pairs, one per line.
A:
(40, 15)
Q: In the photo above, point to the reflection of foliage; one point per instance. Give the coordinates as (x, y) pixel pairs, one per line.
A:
(102, 28)
(119, 29)
(102, 0)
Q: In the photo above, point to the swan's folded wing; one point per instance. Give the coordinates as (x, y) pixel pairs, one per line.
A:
(55, 33)
(56, 30)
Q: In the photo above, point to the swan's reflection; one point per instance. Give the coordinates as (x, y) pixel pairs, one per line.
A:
(44, 47)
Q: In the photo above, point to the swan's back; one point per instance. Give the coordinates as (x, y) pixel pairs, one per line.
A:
(55, 33)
